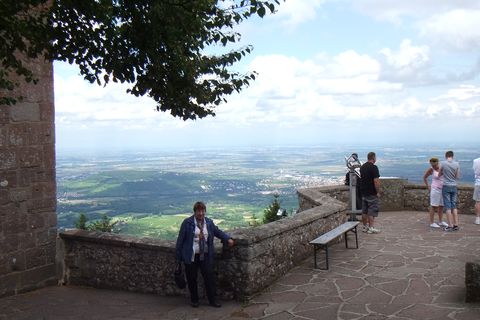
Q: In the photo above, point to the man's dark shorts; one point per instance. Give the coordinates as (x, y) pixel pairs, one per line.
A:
(370, 205)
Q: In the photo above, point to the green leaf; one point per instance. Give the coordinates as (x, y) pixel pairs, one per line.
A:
(261, 12)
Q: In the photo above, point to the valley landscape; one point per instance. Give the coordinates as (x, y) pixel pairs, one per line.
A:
(149, 193)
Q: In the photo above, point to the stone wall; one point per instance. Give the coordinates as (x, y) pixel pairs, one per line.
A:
(261, 255)
(416, 198)
(27, 186)
(392, 196)
(307, 197)
(472, 281)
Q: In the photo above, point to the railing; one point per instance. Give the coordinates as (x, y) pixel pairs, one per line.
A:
(261, 255)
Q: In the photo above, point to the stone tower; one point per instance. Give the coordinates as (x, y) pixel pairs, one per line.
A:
(28, 222)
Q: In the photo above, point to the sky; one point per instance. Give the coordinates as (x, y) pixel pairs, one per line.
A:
(330, 72)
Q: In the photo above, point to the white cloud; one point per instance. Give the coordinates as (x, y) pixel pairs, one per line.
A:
(396, 11)
(463, 93)
(342, 87)
(462, 101)
(407, 64)
(289, 92)
(457, 29)
(447, 24)
(79, 103)
(293, 13)
(407, 57)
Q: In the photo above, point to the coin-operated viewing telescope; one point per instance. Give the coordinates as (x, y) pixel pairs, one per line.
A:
(352, 179)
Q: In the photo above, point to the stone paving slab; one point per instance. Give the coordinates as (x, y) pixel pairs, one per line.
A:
(408, 271)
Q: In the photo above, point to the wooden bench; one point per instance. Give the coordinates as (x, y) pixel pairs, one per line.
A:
(323, 241)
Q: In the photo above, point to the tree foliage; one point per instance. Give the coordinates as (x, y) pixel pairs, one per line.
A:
(104, 224)
(270, 212)
(158, 47)
(81, 222)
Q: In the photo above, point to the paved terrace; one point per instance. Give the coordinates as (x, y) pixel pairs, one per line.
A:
(406, 272)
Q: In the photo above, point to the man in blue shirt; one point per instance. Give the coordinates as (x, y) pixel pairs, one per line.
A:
(450, 170)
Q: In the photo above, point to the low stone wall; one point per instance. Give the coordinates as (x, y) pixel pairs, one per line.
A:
(307, 197)
(392, 196)
(416, 198)
(397, 194)
(472, 281)
(261, 255)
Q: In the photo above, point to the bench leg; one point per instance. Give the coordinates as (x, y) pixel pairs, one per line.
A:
(356, 236)
(326, 255)
(315, 248)
(354, 230)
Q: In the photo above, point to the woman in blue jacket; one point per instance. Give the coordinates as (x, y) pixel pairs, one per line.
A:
(196, 250)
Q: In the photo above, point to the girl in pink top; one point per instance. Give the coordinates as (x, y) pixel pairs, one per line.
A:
(436, 198)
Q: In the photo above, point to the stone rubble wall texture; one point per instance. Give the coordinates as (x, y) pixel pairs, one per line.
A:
(398, 194)
(392, 196)
(28, 221)
(417, 198)
(261, 255)
(472, 281)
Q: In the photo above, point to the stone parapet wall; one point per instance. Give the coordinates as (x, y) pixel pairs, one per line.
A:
(106, 260)
(27, 185)
(261, 255)
(392, 195)
(307, 198)
(472, 281)
(416, 197)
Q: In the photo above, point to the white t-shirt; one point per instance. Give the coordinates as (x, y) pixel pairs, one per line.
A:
(476, 170)
(196, 238)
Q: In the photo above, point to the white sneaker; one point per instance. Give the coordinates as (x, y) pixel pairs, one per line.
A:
(365, 228)
(435, 225)
(372, 230)
(477, 220)
(444, 224)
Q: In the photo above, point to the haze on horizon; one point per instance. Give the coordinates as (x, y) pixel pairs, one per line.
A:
(369, 72)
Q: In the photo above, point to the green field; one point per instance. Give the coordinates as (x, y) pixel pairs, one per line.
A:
(153, 203)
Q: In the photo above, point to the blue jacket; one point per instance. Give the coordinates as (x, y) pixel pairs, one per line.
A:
(184, 247)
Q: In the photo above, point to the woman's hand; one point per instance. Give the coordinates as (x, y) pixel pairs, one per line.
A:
(231, 242)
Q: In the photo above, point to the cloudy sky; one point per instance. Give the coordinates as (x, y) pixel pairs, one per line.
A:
(368, 72)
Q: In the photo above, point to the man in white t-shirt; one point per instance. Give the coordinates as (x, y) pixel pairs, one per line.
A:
(476, 191)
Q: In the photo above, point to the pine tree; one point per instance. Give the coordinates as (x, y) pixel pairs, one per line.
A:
(270, 213)
(81, 223)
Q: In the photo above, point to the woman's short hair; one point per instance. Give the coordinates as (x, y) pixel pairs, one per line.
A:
(199, 205)
(433, 160)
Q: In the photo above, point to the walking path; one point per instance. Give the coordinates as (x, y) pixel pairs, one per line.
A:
(408, 271)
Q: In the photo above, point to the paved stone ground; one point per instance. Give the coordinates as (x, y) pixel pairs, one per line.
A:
(408, 271)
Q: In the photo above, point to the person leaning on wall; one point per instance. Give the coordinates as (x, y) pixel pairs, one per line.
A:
(195, 248)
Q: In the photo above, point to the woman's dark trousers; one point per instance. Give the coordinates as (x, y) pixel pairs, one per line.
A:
(191, 272)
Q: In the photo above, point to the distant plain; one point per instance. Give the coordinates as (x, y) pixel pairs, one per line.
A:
(149, 193)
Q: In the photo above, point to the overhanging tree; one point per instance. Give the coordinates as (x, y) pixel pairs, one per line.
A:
(157, 46)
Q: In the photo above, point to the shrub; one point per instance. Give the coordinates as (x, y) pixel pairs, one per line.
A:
(81, 223)
(270, 212)
(105, 224)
